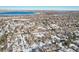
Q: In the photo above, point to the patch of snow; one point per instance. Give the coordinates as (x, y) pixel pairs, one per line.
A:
(76, 33)
(21, 19)
(40, 27)
(70, 50)
(41, 44)
(49, 42)
(34, 45)
(54, 26)
(60, 45)
(55, 38)
(1, 32)
(77, 42)
(39, 34)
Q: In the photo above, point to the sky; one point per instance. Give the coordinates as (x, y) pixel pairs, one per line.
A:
(40, 7)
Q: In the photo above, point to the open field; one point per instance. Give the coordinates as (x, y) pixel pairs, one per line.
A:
(47, 31)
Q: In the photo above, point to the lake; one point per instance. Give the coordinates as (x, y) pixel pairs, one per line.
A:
(16, 13)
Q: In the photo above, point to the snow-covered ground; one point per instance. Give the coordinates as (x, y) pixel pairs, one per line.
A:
(27, 35)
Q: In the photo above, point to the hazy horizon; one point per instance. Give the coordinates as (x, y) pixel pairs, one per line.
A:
(59, 8)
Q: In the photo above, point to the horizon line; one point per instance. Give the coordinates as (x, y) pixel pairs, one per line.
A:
(60, 8)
